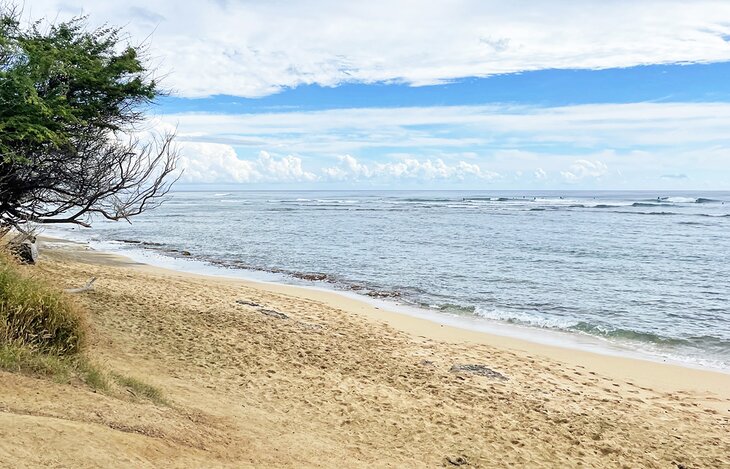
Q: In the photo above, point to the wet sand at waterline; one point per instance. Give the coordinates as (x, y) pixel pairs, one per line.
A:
(266, 375)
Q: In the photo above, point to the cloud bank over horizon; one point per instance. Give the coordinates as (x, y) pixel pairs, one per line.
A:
(253, 49)
(633, 145)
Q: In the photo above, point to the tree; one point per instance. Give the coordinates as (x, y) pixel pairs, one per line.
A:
(72, 100)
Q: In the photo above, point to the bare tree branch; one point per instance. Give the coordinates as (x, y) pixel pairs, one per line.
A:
(106, 177)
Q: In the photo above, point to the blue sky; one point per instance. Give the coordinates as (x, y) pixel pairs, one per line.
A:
(443, 95)
(654, 83)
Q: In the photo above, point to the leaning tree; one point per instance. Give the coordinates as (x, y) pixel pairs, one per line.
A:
(72, 111)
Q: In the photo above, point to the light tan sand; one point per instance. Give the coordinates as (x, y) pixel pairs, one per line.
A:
(339, 383)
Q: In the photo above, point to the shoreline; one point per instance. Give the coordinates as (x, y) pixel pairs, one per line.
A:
(269, 375)
(665, 376)
(560, 338)
(157, 254)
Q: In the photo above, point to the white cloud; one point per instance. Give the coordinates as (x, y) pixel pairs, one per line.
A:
(212, 162)
(573, 144)
(408, 168)
(288, 168)
(349, 168)
(511, 132)
(674, 176)
(582, 169)
(256, 48)
(204, 162)
(218, 163)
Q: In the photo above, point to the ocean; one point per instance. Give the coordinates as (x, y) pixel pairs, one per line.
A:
(639, 271)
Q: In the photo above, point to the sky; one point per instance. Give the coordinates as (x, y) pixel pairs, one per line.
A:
(519, 95)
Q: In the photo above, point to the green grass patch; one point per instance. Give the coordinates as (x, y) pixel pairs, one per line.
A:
(95, 377)
(62, 369)
(18, 358)
(139, 388)
(37, 316)
(43, 333)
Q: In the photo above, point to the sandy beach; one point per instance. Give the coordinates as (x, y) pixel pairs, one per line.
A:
(265, 375)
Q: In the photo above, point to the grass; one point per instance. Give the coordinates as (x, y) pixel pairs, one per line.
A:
(62, 369)
(18, 358)
(139, 388)
(37, 316)
(44, 333)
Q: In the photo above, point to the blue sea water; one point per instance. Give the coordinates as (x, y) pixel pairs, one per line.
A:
(646, 270)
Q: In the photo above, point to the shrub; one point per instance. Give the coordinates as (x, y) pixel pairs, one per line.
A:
(34, 315)
(42, 333)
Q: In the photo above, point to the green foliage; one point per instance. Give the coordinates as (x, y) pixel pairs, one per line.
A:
(70, 101)
(19, 358)
(68, 94)
(34, 315)
(62, 369)
(139, 388)
(93, 376)
(58, 83)
(42, 334)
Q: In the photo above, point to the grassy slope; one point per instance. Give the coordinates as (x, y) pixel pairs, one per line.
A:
(44, 333)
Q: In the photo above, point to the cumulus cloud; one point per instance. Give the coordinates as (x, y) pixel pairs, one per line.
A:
(570, 144)
(582, 169)
(408, 168)
(218, 163)
(288, 168)
(349, 168)
(204, 162)
(257, 48)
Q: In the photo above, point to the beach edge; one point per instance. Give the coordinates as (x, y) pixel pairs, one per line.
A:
(667, 377)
